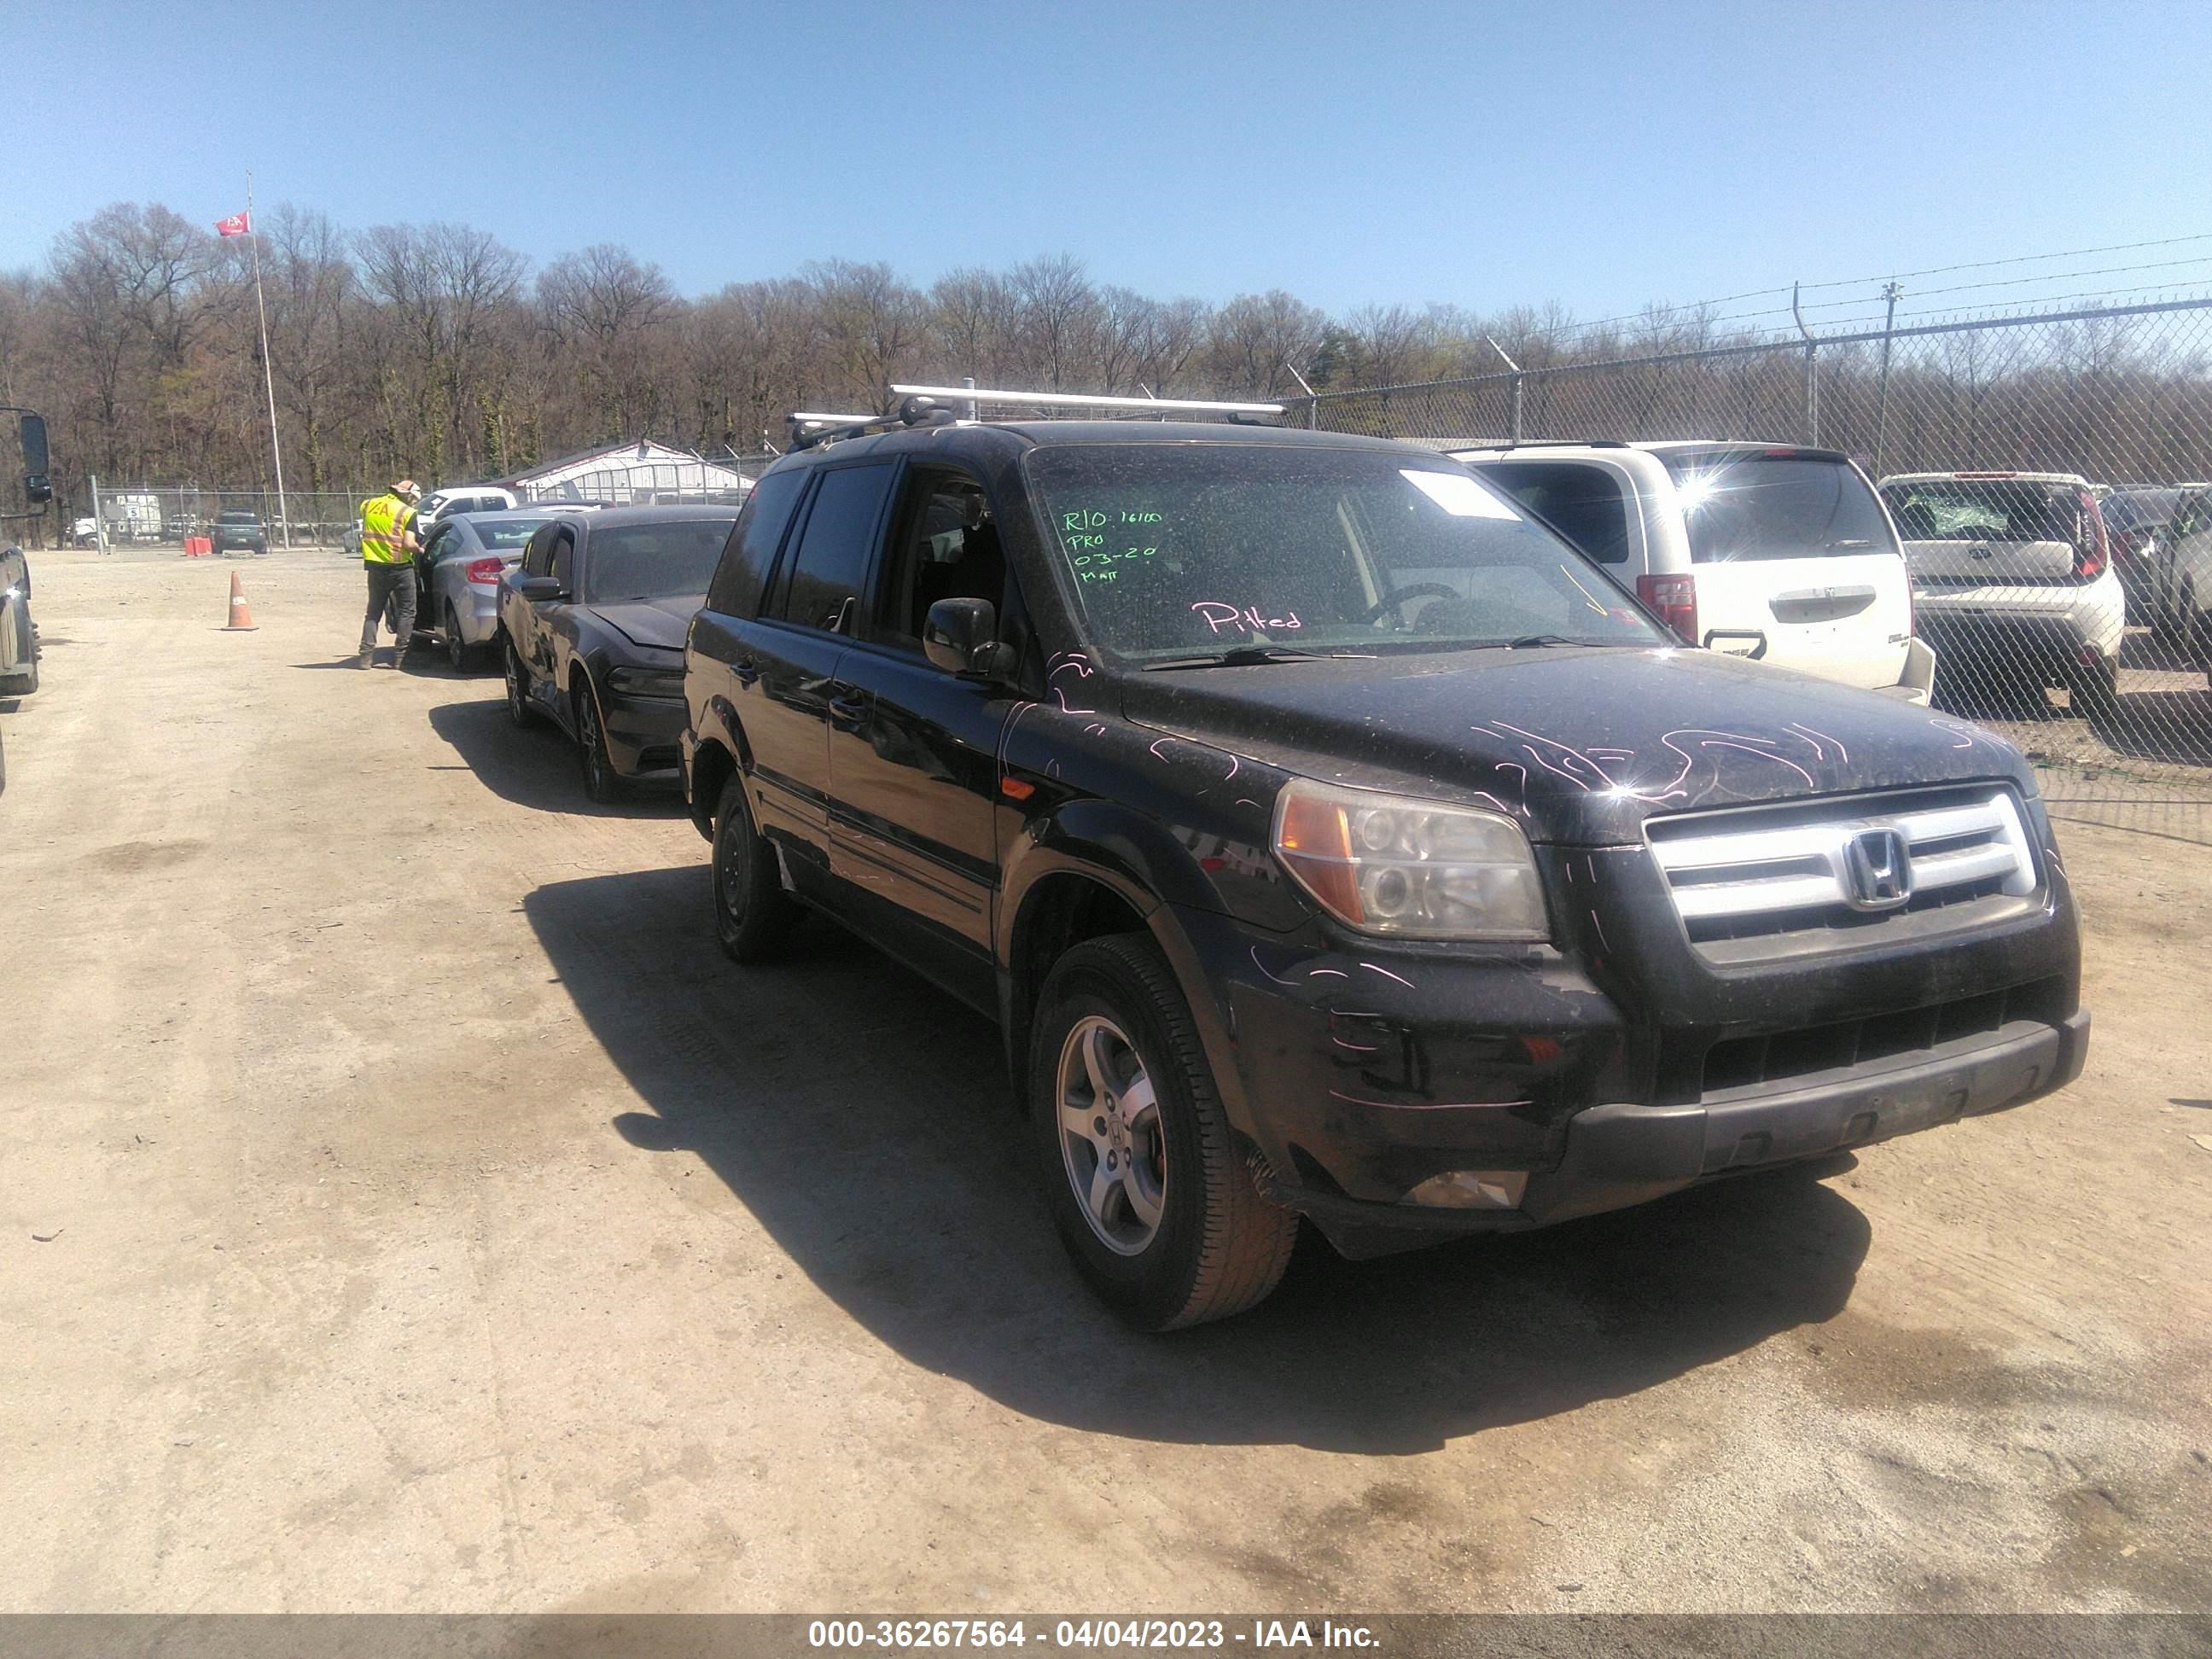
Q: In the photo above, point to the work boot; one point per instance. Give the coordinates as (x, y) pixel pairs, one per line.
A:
(399, 658)
(366, 659)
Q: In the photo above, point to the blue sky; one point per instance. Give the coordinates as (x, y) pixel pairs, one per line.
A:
(1600, 155)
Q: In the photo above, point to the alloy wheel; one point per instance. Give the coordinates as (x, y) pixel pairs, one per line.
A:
(1111, 1140)
(599, 776)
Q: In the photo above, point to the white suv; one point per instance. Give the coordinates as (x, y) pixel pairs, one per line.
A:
(2014, 576)
(1764, 550)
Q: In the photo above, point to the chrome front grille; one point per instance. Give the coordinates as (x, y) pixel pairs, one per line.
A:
(1766, 881)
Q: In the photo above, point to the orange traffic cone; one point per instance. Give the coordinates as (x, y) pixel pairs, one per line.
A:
(241, 618)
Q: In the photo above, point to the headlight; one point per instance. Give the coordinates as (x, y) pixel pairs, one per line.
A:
(646, 682)
(1415, 869)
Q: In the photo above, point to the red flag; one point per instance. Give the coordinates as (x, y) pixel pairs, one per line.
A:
(237, 225)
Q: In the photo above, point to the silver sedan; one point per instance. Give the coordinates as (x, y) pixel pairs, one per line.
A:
(459, 568)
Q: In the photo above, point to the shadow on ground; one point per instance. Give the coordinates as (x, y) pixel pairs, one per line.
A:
(864, 1119)
(2172, 727)
(536, 767)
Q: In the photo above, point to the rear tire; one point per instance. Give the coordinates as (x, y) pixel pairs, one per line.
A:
(753, 916)
(1182, 1235)
(2094, 688)
(461, 655)
(520, 710)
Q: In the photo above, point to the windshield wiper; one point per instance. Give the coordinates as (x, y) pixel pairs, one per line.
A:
(1528, 640)
(1245, 656)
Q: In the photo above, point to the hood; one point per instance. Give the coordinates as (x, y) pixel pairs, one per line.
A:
(1582, 745)
(662, 622)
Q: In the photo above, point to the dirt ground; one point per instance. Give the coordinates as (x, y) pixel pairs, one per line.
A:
(408, 1208)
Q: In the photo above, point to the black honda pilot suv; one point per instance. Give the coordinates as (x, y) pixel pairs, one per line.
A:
(1330, 839)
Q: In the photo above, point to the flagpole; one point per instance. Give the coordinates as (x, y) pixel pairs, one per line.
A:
(268, 379)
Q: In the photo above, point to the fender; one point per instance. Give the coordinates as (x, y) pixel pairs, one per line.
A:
(715, 726)
(1134, 857)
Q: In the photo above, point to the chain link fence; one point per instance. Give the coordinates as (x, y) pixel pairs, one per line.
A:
(173, 517)
(2073, 613)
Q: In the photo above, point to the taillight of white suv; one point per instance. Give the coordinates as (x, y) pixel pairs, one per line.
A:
(1673, 600)
(2093, 549)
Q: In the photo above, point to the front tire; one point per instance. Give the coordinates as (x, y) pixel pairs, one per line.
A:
(602, 783)
(753, 915)
(519, 711)
(1148, 1187)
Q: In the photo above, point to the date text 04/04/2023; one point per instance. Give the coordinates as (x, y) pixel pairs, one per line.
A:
(1088, 1633)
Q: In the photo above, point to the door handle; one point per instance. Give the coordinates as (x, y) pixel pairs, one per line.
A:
(747, 672)
(849, 709)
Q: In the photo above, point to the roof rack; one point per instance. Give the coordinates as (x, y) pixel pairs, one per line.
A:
(1553, 443)
(926, 405)
(972, 395)
(809, 430)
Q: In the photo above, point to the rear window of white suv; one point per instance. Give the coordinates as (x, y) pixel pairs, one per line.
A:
(1985, 510)
(1775, 504)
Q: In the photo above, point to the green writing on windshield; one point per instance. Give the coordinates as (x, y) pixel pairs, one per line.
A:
(1104, 543)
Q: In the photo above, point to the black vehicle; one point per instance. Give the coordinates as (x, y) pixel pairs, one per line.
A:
(591, 633)
(1330, 839)
(237, 531)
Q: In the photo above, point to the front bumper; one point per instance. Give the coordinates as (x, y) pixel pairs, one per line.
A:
(644, 735)
(1603, 1069)
(1625, 1153)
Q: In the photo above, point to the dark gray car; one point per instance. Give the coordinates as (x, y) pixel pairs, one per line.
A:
(592, 624)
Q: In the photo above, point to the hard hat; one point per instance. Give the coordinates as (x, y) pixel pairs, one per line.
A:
(408, 487)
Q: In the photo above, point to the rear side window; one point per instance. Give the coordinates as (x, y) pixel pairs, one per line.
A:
(831, 562)
(537, 555)
(739, 578)
(1777, 505)
(1583, 501)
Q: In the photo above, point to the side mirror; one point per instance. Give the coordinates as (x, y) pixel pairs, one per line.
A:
(538, 589)
(960, 637)
(37, 489)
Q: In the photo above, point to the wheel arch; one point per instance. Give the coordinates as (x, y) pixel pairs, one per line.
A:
(1063, 899)
(718, 751)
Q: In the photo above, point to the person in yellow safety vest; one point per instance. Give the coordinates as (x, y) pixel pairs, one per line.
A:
(387, 553)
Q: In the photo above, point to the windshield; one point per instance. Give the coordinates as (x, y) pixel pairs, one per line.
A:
(235, 517)
(655, 561)
(1983, 510)
(1170, 550)
(1752, 504)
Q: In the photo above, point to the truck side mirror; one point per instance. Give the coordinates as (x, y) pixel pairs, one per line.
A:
(959, 637)
(37, 488)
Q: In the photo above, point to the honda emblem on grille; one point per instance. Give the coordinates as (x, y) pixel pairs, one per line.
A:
(1880, 869)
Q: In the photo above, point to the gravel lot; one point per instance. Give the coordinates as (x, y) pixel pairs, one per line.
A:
(408, 1208)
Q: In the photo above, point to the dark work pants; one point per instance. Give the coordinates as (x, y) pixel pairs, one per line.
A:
(384, 580)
